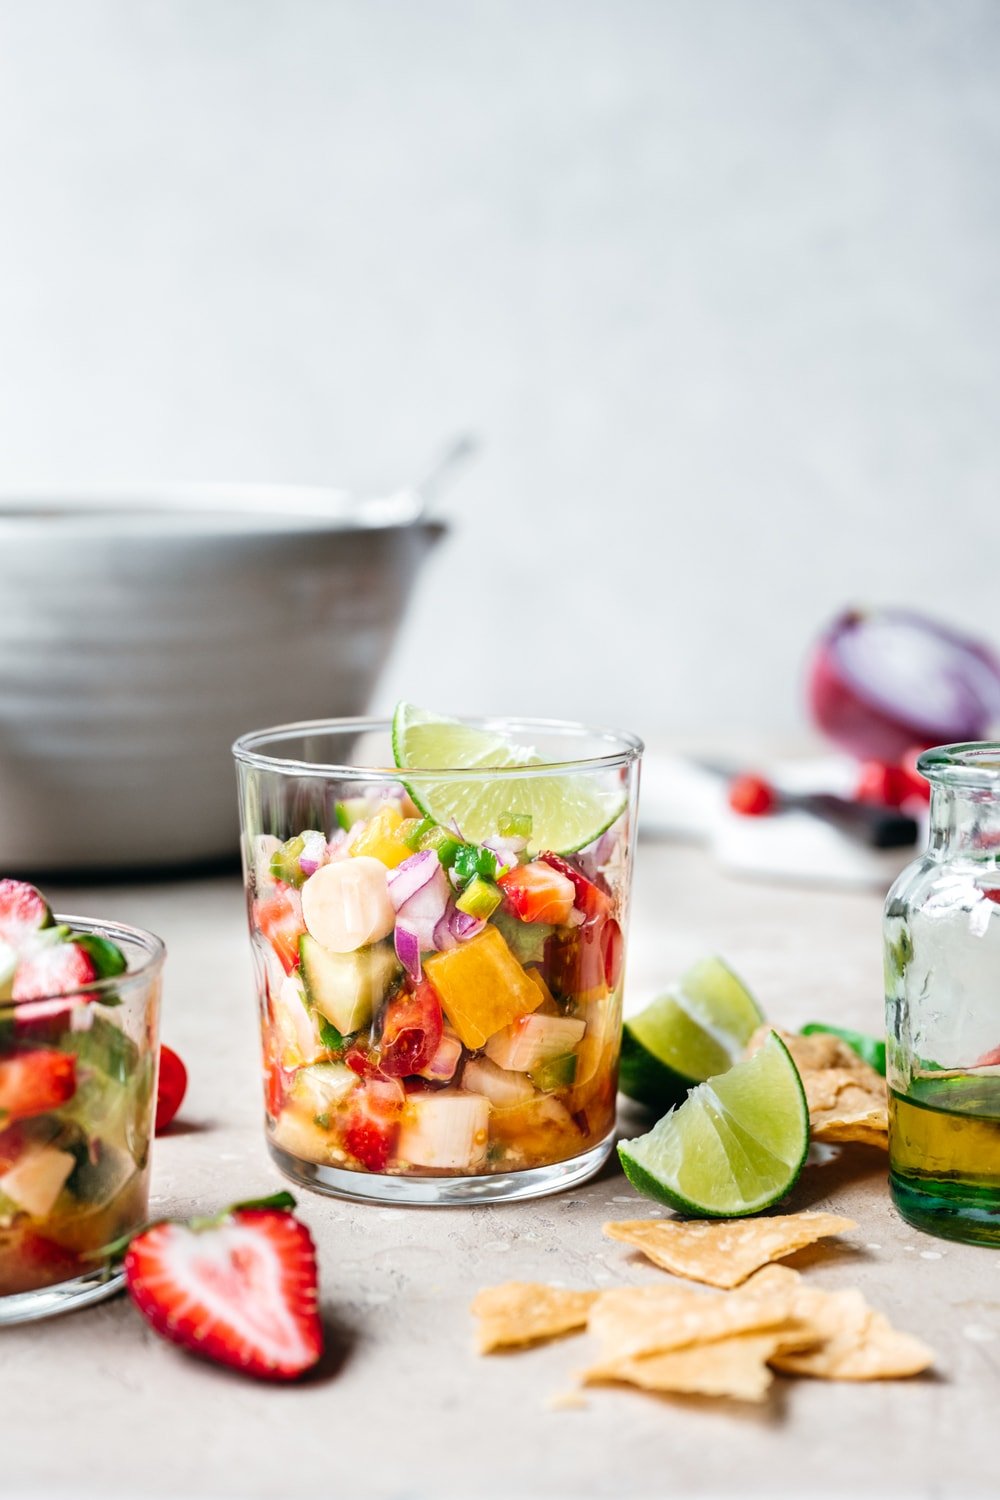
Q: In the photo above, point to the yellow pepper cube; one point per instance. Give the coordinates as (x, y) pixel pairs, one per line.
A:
(482, 987)
(382, 840)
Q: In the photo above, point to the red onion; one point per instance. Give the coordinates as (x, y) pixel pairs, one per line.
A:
(881, 683)
(407, 944)
(463, 926)
(445, 1060)
(314, 852)
(443, 936)
(412, 876)
(506, 851)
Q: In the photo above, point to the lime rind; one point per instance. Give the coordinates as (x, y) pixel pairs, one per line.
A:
(567, 812)
(697, 1029)
(734, 1147)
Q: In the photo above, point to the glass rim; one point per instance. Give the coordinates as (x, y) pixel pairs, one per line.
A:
(975, 763)
(245, 751)
(154, 950)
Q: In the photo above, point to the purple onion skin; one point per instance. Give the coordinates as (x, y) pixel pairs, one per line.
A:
(859, 719)
(407, 945)
(407, 879)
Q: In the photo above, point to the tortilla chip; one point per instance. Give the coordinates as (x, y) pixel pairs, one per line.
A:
(724, 1253)
(526, 1312)
(634, 1321)
(846, 1097)
(735, 1367)
(854, 1342)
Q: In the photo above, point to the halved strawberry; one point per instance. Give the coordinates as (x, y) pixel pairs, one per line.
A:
(240, 1290)
(55, 969)
(171, 1086)
(33, 1082)
(23, 911)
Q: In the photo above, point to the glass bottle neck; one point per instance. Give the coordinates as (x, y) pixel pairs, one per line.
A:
(965, 823)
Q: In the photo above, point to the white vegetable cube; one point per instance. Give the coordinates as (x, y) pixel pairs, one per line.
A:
(37, 1178)
(296, 1024)
(502, 1088)
(446, 1130)
(534, 1039)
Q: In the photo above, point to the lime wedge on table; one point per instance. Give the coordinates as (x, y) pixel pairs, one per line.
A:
(699, 1027)
(567, 812)
(734, 1147)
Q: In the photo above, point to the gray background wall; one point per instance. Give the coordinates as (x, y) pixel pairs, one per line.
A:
(717, 281)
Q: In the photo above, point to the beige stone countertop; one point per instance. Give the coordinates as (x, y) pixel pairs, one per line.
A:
(94, 1404)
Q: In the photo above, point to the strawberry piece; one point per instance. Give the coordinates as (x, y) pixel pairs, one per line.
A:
(241, 1291)
(887, 786)
(23, 911)
(590, 898)
(171, 1086)
(31, 1083)
(538, 893)
(278, 917)
(53, 970)
(371, 1127)
(411, 1032)
(752, 796)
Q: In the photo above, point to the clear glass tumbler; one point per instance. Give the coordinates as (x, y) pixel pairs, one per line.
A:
(942, 975)
(439, 954)
(74, 1156)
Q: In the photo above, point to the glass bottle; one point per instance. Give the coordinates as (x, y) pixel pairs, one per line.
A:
(942, 981)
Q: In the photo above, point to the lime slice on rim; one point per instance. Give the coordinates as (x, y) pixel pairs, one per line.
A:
(698, 1028)
(567, 812)
(734, 1147)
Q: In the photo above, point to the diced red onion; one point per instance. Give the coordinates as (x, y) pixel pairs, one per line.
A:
(602, 851)
(411, 877)
(445, 1060)
(443, 936)
(463, 926)
(407, 943)
(314, 852)
(883, 682)
(506, 850)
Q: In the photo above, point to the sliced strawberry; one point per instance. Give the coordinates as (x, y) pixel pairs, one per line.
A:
(372, 1125)
(590, 898)
(33, 1082)
(171, 1086)
(411, 1031)
(538, 893)
(56, 969)
(241, 1290)
(278, 916)
(23, 911)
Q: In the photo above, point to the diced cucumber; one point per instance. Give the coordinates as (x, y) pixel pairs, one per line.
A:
(479, 899)
(555, 1073)
(352, 810)
(449, 1129)
(501, 1087)
(322, 1087)
(346, 988)
(533, 1040)
(526, 940)
(286, 861)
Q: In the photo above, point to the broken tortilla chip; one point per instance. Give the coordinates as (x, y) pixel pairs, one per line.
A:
(724, 1253)
(853, 1341)
(527, 1312)
(846, 1097)
(634, 1321)
(734, 1367)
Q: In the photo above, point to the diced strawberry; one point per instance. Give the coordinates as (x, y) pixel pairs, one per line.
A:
(33, 1082)
(411, 1031)
(23, 911)
(613, 950)
(171, 1086)
(590, 898)
(278, 916)
(241, 1291)
(538, 893)
(372, 1126)
(56, 969)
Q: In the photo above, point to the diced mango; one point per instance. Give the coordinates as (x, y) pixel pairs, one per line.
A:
(482, 987)
(382, 838)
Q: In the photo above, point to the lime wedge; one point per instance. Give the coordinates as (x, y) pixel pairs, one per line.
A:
(699, 1027)
(734, 1147)
(566, 812)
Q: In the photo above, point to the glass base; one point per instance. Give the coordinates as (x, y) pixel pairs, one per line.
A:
(67, 1296)
(950, 1210)
(444, 1192)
